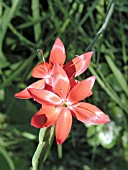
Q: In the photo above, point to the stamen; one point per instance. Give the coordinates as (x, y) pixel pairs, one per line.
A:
(39, 50)
(65, 105)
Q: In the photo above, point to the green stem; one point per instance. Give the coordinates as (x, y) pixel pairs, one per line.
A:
(59, 149)
(36, 156)
(111, 9)
(46, 136)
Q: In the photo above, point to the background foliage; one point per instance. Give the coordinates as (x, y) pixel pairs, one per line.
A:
(82, 25)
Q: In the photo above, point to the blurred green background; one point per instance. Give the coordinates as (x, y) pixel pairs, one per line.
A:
(82, 25)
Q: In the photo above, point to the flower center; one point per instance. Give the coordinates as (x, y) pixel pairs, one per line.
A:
(65, 105)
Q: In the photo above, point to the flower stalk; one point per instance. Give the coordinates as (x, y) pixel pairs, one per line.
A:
(46, 136)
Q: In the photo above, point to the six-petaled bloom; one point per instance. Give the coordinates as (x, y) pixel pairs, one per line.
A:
(60, 94)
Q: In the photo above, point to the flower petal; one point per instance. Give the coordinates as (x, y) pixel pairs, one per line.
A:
(78, 65)
(24, 94)
(90, 93)
(63, 125)
(41, 70)
(81, 90)
(60, 81)
(46, 116)
(39, 119)
(89, 114)
(73, 83)
(45, 96)
(57, 54)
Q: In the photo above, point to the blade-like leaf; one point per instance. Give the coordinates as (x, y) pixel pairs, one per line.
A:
(6, 162)
(119, 76)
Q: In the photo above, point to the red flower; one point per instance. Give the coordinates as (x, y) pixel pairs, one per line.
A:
(57, 56)
(59, 106)
(60, 95)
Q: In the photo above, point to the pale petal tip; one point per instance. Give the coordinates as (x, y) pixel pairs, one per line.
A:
(16, 95)
(58, 39)
(104, 117)
(93, 80)
(58, 43)
(107, 119)
(89, 54)
(94, 77)
(59, 142)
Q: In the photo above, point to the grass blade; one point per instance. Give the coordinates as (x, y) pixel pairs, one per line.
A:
(5, 160)
(118, 74)
(16, 72)
(7, 16)
(36, 15)
(107, 89)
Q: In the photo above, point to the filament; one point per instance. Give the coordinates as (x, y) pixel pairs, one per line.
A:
(39, 50)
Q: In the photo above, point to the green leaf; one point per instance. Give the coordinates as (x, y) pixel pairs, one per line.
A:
(3, 60)
(125, 139)
(111, 79)
(16, 72)
(20, 111)
(2, 95)
(91, 134)
(104, 84)
(6, 162)
(119, 76)
(7, 16)
(36, 15)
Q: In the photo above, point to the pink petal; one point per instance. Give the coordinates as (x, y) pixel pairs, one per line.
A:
(73, 83)
(78, 65)
(89, 114)
(39, 119)
(90, 93)
(81, 90)
(46, 116)
(63, 126)
(45, 96)
(24, 94)
(60, 81)
(41, 70)
(57, 54)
